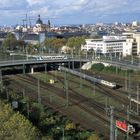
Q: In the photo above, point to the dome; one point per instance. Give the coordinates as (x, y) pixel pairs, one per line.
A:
(39, 21)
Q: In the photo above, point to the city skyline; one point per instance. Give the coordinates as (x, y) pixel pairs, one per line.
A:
(70, 11)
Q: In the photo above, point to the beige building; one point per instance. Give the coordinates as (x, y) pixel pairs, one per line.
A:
(137, 37)
(130, 47)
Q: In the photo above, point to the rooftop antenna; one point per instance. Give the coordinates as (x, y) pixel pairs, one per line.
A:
(26, 20)
(23, 20)
(30, 23)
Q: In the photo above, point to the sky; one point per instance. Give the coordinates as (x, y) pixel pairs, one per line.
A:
(12, 12)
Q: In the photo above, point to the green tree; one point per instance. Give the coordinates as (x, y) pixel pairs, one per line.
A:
(36, 112)
(21, 45)
(14, 126)
(9, 42)
(32, 49)
(75, 43)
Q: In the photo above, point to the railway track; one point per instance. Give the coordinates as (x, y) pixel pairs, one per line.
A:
(75, 100)
(86, 104)
(109, 92)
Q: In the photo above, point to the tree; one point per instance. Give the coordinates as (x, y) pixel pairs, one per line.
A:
(58, 43)
(54, 44)
(31, 48)
(21, 45)
(14, 126)
(36, 112)
(10, 42)
(75, 43)
(48, 43)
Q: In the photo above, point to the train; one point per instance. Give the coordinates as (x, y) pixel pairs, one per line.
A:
(51, 57)
(90, 78)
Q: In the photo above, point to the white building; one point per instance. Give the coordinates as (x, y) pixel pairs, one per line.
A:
(134, 23)
(114, 45)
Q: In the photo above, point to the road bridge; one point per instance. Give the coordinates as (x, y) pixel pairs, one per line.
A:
(30, 64)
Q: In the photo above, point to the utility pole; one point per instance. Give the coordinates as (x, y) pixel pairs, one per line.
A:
(69, 64)
(46, 72)
(137, 100)
(132, 59)
(23, 93)
(128, 118)
(116, 66)
(66, 89)
(116, 133)
(65, 78)
(86, 54)
(73, 64)
(51, 98)
(63, 131)
(1, 81)
(111, 123)
(39, 97)
(80, 74)
(26, 20)
(28, 110)
(106, 104)
(93, 85)
(24, 69)
(67, 94)
(129, 91)
(7, 94)
(126, 80)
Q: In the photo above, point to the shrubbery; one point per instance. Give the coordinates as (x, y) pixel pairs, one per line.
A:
(99, 67)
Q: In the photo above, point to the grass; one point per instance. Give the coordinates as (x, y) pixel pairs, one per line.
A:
(84, 91)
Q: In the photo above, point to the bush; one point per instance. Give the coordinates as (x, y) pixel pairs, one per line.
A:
(98, 67)
(36, 112)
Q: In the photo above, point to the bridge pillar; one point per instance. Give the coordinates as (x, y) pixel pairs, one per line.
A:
(24, 69)
(32, 70)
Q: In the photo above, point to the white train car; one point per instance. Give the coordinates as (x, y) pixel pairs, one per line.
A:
(90, 78)
(106, 83)
(55, 57)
